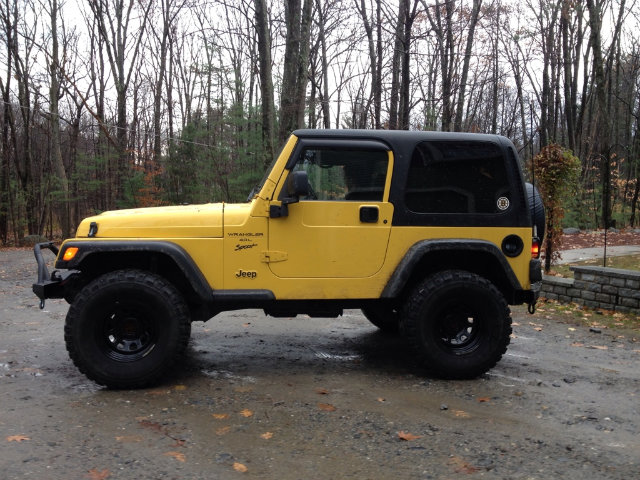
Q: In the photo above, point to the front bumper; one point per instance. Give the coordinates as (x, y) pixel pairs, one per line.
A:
(48, 285)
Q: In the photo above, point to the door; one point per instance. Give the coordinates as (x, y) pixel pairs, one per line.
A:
(341, 228)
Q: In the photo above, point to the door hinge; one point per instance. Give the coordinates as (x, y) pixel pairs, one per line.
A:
(273, 256)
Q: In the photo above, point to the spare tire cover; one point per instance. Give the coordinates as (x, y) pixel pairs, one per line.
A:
(536, 207)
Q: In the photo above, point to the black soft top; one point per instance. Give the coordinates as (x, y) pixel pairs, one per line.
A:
(403, 144)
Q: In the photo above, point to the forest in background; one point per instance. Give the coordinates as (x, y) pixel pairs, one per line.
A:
(129, 103)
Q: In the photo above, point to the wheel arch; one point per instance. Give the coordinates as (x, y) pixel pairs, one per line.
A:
(428, 257)
(164, 258)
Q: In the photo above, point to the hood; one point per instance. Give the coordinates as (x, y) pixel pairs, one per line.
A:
(190, 221)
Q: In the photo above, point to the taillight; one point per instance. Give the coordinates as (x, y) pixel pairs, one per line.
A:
(535, 247)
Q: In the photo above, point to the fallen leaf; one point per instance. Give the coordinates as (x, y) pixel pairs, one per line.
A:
(238, 467)
(180, 388)
(129, 439)
(245, 389)
(220, 416)
(598, 347)
(17, 438)
(515, 324)
(151, 425)
(177, 455)
(462, 466)
(407, 437)
(223, 430)
(246, 413)
(484, 399)
(322, 391)
(382, 400)
(461, 414)
(157, 392)
(537, 329)
(327, 407)
(577, 344)
(267, 435)
(95, 474)
(571, 329)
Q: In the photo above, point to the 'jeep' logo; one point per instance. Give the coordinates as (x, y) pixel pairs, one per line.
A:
(246, 274)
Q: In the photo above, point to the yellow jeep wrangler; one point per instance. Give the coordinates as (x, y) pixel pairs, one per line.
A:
(432, 234)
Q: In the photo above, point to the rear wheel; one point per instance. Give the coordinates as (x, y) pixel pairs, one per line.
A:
(458, 324)
(126, 328)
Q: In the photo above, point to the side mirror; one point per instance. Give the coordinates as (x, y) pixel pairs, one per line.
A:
(297, 185)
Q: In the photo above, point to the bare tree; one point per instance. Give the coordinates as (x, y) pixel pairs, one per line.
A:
(466, 60)
(266, 80)
(375, 54)
(169, 10)
(113, 20)
(296, 59)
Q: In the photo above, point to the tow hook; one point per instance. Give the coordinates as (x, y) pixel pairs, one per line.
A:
(532, 308)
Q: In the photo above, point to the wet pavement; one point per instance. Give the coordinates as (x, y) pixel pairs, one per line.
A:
(258, 397)
(583, 254)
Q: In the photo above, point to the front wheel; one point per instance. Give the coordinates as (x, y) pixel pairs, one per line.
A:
(458, 324)
(126, 328)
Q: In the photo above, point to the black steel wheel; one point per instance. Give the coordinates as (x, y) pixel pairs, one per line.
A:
(126, 328)
(458, 324)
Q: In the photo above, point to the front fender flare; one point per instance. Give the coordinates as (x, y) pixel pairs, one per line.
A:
(175, 252)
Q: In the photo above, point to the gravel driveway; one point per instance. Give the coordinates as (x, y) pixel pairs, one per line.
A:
(304, 398)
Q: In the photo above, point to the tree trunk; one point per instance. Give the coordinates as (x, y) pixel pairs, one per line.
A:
(296, 59)
(56, 152)
(603, 120)
(405, 83)
(567, 62)
(266, 81)
(398, 52)
(457, 125)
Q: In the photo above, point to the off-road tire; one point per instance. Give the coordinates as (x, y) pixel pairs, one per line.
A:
(457, 323)
(126, 328)
(385, 318)
(536, 208)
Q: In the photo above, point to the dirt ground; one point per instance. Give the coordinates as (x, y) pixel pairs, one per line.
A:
(304, 398)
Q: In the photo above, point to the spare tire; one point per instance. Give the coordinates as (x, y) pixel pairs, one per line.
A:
(536, 207)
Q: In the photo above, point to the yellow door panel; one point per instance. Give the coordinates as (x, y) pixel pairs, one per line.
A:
(327, 239)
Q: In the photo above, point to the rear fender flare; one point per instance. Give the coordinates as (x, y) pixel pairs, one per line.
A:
(419, 250)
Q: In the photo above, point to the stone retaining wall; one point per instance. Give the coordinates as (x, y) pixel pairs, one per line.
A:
(596, 287)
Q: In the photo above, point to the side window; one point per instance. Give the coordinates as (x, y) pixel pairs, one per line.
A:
(457, 177)
(344, 174)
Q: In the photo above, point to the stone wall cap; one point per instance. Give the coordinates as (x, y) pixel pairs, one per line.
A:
(562, 281)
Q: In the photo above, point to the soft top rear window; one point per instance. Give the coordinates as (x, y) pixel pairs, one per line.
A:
(457, 177)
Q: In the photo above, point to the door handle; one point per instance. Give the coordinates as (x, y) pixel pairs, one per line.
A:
(369, 214)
